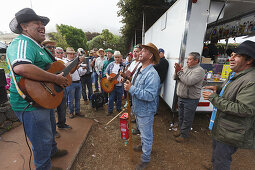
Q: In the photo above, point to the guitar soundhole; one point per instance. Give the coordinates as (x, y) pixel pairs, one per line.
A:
(58, 88)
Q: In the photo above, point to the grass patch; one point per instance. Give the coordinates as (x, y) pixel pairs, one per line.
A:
(3, 65)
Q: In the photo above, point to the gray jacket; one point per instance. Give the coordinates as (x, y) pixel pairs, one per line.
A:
(190, 81)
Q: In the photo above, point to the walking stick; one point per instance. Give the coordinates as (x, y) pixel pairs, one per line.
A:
(129, 129)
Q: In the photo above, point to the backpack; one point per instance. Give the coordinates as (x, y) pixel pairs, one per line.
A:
(97, 100)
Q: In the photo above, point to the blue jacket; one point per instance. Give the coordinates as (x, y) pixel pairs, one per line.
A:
(144, 92)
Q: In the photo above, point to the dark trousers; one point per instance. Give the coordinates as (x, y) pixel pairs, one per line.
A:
(86, 81)
(187, 109)
(222, 155)
(61, 110)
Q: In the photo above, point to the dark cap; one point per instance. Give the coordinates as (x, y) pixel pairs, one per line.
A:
(246, 48)
(161, 50)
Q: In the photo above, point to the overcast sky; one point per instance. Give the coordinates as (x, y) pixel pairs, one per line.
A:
(89, 15)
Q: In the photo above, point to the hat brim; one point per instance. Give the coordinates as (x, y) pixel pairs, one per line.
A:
(111, 51)
(99, 51)
(15, 26)
(154, 51)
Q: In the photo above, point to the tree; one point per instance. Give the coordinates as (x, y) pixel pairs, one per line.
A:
(107, 40)
(74, 37)
(60, 40)
(91, 35)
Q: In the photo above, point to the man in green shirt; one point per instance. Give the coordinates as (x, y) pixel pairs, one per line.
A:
(28, 59)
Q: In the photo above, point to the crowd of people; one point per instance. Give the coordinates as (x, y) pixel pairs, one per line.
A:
(141, 75)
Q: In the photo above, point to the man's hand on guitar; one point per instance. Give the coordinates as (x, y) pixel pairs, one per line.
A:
(109, 77)
(61, 80)
(127, 85)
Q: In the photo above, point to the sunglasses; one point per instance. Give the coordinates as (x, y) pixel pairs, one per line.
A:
(50, 47)
(60, 52)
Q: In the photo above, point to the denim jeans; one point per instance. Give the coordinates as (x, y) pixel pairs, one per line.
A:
(40, 127)
(186, 109)
(145, 126)
(61, 110)
(86, 81)
(116, 93)
(74, 92)
(95, 80)
(222, 155)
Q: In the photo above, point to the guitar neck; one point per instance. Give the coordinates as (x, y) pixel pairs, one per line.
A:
(71, 66)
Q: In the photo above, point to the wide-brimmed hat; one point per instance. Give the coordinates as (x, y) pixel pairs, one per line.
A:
(26, 15)
(246, 48)
(152, 48)
(117, 53)
(109, 50)
(100, 49)
(48, 41)
(70, 50)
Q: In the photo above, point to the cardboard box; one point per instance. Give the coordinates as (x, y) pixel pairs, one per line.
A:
(206, 60)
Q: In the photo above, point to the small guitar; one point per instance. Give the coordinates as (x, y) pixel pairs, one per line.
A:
(108, 85)
(46, 94)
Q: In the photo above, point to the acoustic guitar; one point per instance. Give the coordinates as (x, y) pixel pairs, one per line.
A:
(46, 94)
(108, 85)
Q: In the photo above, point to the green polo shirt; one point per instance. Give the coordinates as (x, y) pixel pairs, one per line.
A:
(106, 63)
(24, 50)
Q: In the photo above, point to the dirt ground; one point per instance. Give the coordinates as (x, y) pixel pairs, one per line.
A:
(104, 148)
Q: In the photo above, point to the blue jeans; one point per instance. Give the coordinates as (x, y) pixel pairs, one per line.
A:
(86, 81)
(74, 92)
(145, 126)
(116, 93)
(40, 127)
(61, 110)
(95, 80)
(222, 155)
(186, 109)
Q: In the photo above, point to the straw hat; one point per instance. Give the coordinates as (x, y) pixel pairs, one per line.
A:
(117, 53)
(100, 49)
(49, 41)
(152, 48)
(70, 50)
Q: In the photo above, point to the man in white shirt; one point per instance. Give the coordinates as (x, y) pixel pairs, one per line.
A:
(100, 62)
(74, 90)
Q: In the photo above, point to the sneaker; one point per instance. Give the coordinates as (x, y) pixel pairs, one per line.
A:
(141, 165)
(109, 113)
(71, 116)
(181, 139)
(137, 148)
(57, 135)
(79, 115)
(177, 133)
(59, 153)
(136, 132)
(64, 126)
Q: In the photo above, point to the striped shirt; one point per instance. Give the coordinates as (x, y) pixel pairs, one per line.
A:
(24, 50)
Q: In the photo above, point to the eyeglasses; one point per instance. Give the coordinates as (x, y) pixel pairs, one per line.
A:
(50, 47)
(60, 52)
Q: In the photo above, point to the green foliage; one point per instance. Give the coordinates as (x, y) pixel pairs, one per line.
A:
(91, 35)
(3, 65)
(60, 40)
(74, 37)
(107, 40)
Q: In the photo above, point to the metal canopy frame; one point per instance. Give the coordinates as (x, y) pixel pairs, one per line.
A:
(234, 10)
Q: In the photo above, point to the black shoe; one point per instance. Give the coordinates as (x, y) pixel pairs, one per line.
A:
(79, 115)
(59, 153)
(109, 113)
(136, 132)
(137, 148)
(64, 126)
(141, 165)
